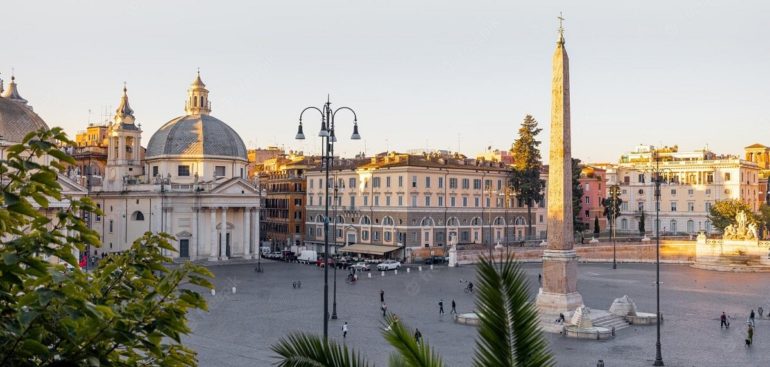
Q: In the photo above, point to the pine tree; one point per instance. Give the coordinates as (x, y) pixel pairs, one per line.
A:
(577, 196)
(525, 177)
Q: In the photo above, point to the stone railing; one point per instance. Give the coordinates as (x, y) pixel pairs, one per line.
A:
(714, 242)
(765, 244)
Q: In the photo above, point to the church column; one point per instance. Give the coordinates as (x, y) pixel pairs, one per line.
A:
(121, 148)
(246, 233)
(223, 250)
(193, 245)
(213, 255)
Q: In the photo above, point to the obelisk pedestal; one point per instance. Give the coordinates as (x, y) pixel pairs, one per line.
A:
(559, 291)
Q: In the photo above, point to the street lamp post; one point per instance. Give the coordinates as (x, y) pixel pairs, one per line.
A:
(614, 192)
(658, 355)
(334, 302)
(327, 145)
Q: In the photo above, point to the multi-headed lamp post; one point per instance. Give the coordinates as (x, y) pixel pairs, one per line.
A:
(614, 193)
(328, 139)
(657, 180)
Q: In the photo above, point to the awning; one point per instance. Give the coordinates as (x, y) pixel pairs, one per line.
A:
(369, 249)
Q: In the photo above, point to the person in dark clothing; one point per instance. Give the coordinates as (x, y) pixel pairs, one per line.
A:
(723, 321)
(540, 279)
(751, 317)
(417, 336)
(760, 311)
(441, 307)
(453, 311)
(382, 296)
(750, 336)
(384, 308)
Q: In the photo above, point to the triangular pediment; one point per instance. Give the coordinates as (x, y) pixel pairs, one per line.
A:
(235, 186)
(757, 145)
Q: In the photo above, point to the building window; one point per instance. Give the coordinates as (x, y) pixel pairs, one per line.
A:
(440, 182)
(400, 200)
(183, 170)
(110, 225)
(427, 182)
(427, 201)
(400, 181)
(376, 236)
(708, 207)
(414, 181)
(365, 235)
(387, 181)
(476, 201)
(352, 202)
(466, 183)
(387, 200)
(452, 183)
(366, 200)
(154, 171)
(414, 201)
(98, 217)
(387, 235)
(464, 236)
(477, 184)
(624, 206)
(452, 201)
(690, 207)
(440, 201)
(465, 202)
(673, 192)
(708, 191)
(376, 182)
(673, 206)
(376, 200)
(219, 171)
(690, 192)
(588, 200)
(137, 215)
(673, 226)
(352, 183)
(499, 185)
(727, 176)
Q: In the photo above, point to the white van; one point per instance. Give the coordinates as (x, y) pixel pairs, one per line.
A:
(307, 257)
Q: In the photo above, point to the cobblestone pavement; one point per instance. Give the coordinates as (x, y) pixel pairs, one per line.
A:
(239, 328)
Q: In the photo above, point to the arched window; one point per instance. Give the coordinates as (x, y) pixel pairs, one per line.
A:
(520, 221)
(340, 219)
(673, 226)
(427, 222)
(387, 221)
(690, 226)
(476, 221)
(137, 215)
(365, 220)
(624, 224)
(319, 218)
(499, 221)
(453, 222)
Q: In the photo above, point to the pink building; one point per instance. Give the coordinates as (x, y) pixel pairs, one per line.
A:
(593, 181)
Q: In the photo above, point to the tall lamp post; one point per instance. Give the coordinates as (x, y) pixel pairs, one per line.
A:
(327, 148)
(334, 302)
(658, 355)
(614, 192)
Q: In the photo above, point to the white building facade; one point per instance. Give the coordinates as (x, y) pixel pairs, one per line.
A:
(691, 183)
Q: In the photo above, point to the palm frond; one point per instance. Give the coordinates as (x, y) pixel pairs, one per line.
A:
(305, 350)
(509, 330)
(409, 353)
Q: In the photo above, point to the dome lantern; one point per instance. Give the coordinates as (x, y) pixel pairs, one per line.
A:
(197, 98)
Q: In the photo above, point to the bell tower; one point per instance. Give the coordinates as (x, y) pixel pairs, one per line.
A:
(124, 150)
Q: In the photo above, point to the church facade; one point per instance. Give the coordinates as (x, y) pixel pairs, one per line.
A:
(191, 183)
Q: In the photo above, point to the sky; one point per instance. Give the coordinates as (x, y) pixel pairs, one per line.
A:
(456, 75)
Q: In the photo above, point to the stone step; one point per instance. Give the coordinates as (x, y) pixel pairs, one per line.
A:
(610, 321)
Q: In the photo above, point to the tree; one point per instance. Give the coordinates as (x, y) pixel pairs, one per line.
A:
(641, 224)
(128, 311)
(525, 176)
(612, 207)
(508, 333)
(764, 217)
(722, 213)
(596, 227)
(577, 197)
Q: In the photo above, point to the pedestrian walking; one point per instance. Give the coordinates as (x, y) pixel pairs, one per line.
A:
(441, 307)
(751, 317)
(760, 311)
(749, 336)
(454, 311)
(382, 296)
(344, 330)
(417, 336)
(723, 321)
(540, 279)
(384, 308)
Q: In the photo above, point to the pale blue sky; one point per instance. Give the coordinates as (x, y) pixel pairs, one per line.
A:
(419, 73)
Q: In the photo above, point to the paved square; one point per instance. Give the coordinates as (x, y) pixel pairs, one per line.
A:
(239, 328)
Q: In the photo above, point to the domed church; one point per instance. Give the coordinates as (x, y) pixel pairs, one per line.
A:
(191, 183)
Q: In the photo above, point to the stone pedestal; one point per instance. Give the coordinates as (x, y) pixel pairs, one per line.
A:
(559, 291)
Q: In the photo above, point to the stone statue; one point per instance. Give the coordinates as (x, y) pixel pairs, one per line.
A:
(741, 230)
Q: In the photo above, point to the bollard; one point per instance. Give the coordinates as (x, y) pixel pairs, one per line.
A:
(233, 290)
(382, 273)
(369, 275)
(213, 292)
(407, 270)
(431, 266)
(395, 272)
(419, 268)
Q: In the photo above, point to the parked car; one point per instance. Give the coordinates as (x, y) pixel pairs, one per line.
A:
(388, 265)
(274, 255)
(435, 260)
(361, 266)
(307, 257)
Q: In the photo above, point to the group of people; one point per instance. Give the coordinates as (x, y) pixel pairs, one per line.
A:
(724, 323)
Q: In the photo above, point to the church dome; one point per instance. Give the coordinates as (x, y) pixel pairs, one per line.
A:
(16, 117)
(196, 135)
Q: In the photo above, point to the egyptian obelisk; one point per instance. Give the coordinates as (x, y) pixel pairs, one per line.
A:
(558, 293)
